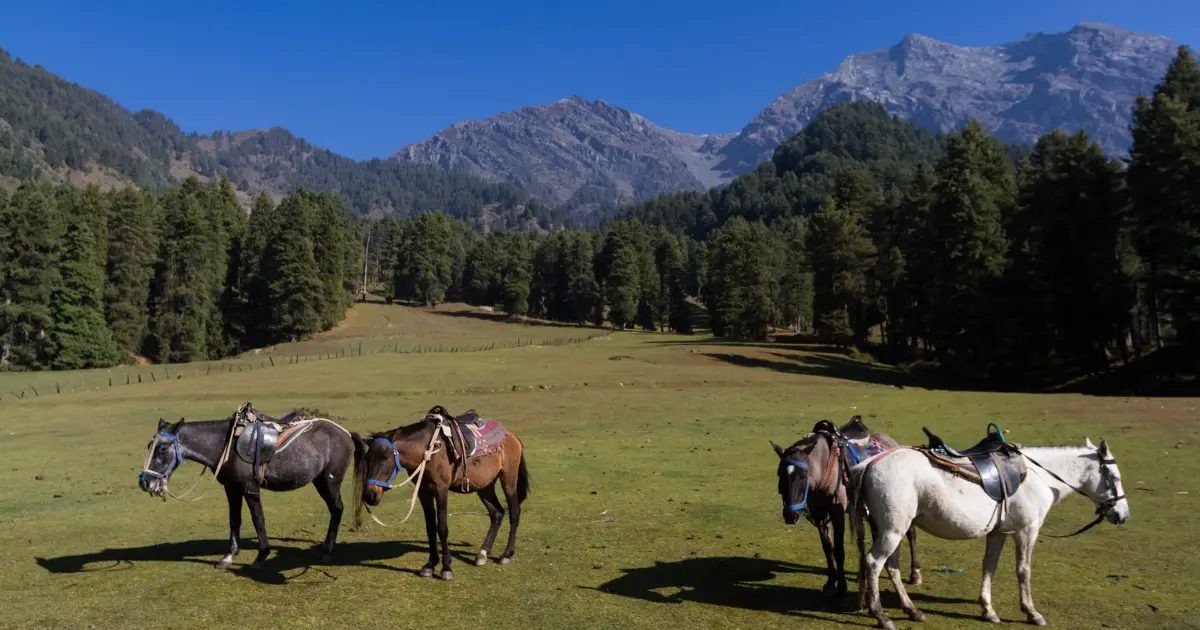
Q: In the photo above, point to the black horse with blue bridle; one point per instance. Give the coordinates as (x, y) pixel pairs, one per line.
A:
(305, 451)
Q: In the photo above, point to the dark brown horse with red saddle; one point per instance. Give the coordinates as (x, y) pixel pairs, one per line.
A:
(813, 482)
(444, 453)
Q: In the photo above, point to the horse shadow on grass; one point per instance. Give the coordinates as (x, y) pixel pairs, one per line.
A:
(746, 583)
(301, 556)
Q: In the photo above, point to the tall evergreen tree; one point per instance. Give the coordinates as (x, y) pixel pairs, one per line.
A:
(1163, 171)
(842, 255)
(516, 275)
(331, 251)
(619, 269)
(742, 281)
(296, 294)
(31, 232)
(1069, 235)
(583, 293)
(429, 257)
(79, 338)
(796, 279)
(132, 249)
(976, 189)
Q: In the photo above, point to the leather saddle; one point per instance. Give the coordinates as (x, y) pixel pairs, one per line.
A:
(460, 439)
(257, 436)
(999, 466)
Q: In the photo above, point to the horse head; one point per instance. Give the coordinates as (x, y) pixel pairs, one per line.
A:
(797, 464)
(1105, 488)
(164, 455)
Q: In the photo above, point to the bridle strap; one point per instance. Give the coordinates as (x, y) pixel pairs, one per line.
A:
(1102, 507)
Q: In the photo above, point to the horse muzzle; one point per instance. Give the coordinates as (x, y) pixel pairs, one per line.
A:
(792, 516)
(372, 495)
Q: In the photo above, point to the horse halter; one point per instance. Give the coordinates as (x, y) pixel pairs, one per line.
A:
(175, 462)
(1102, 507)
(387, 485)
(803, 504)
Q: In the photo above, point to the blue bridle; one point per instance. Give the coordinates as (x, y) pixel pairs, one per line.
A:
(174, 439)
(803, 501)
(386, 485)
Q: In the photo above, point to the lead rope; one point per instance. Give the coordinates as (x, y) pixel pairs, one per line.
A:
(166, 484)
(419, 473)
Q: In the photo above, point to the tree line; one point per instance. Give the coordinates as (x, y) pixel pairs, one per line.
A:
(1021, 265)
(92, 278)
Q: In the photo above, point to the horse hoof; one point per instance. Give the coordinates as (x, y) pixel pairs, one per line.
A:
(915, 578)
(447, 575)
(1037, 620)
(224, 563)
(917, 616)
(992, 618)
(887, 625)
(505, 559)
(481, 560)
(427, 572)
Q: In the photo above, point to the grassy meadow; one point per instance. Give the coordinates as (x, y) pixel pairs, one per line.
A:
(653, 501)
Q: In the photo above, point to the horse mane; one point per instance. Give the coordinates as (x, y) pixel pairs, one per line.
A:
(401, 432)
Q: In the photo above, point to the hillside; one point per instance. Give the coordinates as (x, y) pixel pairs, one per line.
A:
(53, 128)
(581, 153)
(1087, 77)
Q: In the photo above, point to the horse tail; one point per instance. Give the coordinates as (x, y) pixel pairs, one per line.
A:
(522, 477)
(856, 485)
(360, 478)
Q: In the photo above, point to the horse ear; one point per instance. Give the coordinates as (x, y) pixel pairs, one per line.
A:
(778, 451)
(1103, 447)
(1088, 442)
(162, 424)
(175, 429)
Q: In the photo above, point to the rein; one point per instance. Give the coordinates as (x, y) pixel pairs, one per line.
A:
(419, 473)
(1102, 507)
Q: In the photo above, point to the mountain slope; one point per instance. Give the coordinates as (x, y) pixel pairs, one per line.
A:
(50, 127)
(577, 152)
(1087, 77)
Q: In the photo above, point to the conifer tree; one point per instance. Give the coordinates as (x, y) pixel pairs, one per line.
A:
(132, 248)
(188, 279)
(516, 274)
(976, 189)
(31, 231)
(330, 227)
(295, 291)
(620, 271)
(78, 337)
(796, 279)
(1163, 171)
(842, 255)
(742, 281)
(583, 294)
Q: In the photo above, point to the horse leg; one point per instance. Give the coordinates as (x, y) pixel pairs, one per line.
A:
(254, 502)
(827, 547)
(884, 546)
(914, 575)
(496, 513)
(509, 484)
(1024, 542)
(991, 558)
(234, 496)
(839, 549)
(443, 504)
(893, 569)
(430, 531)
(332, 494)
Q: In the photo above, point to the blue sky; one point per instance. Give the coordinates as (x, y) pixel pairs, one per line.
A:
(365, 78)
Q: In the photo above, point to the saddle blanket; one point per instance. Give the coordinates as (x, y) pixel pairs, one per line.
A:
(483, 440)
(292, 431)
(859, 453)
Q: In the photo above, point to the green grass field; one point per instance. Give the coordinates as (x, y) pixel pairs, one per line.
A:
(653, 503)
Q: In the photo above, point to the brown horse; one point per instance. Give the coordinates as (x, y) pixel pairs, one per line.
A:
(813, 480)
(444, 454)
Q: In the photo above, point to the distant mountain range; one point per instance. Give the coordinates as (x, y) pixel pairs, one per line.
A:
(587, 157)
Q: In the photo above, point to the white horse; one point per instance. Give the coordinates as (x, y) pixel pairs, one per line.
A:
(900, 488)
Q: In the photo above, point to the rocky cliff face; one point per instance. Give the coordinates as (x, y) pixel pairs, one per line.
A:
(577, 152)
(1088, 77)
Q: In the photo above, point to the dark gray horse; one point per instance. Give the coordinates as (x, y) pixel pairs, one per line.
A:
(319, 456)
